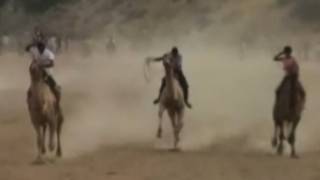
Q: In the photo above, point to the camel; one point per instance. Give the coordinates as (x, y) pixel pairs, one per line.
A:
(172, 101)
(287, 118)
(44, 112)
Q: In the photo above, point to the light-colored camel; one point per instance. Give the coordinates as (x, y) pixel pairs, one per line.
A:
(44, 111)
(286, 117)
(171, 100)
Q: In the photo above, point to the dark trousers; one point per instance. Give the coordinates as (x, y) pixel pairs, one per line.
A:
(53, 85)
(56, 91)
(295, 87)
(183, 83)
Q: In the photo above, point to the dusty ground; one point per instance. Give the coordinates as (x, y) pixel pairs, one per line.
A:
(110, 124)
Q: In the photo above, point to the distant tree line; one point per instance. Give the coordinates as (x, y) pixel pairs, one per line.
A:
(33, 6)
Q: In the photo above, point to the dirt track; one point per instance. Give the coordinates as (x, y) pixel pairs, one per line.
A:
(121, 145)
(141, 161)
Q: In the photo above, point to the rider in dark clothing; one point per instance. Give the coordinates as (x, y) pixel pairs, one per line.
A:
(176, 59)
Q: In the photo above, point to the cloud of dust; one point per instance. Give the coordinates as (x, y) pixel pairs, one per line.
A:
(232, 98)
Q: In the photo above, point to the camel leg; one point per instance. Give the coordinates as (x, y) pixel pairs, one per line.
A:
(281, 138)
(37, 128)
(179, 123)
(274, 141)
(160, 115)
(40, 144)
(292, 138)
(52, 129)
(43, 148)
(59, 127)
(172, 116)
(275, 138)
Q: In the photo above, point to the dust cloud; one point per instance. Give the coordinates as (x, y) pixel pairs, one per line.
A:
(107, 101)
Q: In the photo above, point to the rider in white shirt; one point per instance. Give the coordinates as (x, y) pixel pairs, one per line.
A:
(45, 58)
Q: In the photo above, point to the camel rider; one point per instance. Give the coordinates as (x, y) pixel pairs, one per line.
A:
(176, 58)
(291, 68)
(45, 58)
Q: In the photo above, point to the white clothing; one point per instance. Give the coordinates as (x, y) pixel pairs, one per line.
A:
(176, 60)
(46, 56)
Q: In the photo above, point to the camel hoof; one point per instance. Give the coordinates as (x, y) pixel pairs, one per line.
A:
(51, 148)
(38, 161)
(159, 134)
(51, 161)
(294, 156)
(280, 150)
(43, 151)
(274, 142)
(59, 153)
(175, 150)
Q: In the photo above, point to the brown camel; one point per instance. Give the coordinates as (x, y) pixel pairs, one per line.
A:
(44, 111)
(172, 101)
(287, 117)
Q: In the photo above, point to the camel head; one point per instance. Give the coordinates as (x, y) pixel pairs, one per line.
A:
(168, 66)
(36, 72)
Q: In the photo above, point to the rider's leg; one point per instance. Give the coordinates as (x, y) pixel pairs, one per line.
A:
(301, 90)
(283, 82)
(185, 87)
(293, 90)
(163, 84)
(57, 93)
(29, 94)
(54, 87)
(302, 93)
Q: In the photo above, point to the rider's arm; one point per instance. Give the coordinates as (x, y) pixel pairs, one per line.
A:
(28, 47)
(48, 62)
(278, 57)
(157, 59)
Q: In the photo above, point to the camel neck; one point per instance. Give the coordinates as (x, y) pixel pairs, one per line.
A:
(37, 82)
(169, 82)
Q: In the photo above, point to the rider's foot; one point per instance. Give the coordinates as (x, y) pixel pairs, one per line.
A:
(156, 101)
(58, 88)
(303, 107)
(188, 105)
